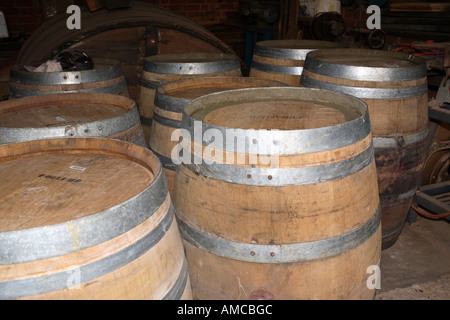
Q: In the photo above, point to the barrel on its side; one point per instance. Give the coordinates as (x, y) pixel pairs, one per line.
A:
(106, 77)
(70, 115)
(282, 60)
(74, 227)
(170, 100)
(278, 198)
(394, 86)
(160, 69)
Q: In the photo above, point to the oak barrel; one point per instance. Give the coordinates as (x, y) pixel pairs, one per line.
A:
(282, 60)
(394, 86)
(70, 115)
(276, 195)
(74, 227)
(161, 69)
(170, 100)
(106, 77)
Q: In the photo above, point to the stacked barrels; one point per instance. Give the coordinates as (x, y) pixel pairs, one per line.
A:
(283, 60)
(74, 227)
(286, 184)
(85, 210)
(170, 100)
(107, 77)
(394, 86)
(160, 69)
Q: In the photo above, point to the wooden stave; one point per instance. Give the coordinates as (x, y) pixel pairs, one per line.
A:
(400, 156)
(168, 112)
(201, 257)
(125, 126)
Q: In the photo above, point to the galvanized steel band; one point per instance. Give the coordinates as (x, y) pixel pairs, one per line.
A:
(140, 141)
(367, 93)
(296, 71)
(150, 84)
(278, 142)
(222, 64)
(400, 141)
(281, 253)
(166, 121)
(314, 64)
(247, 175)
(178, 288)
(58, 281)
(112, 89)
(281, 53)
(391, 232)
(393, 199)
(54, 240)
(166, 162)
(112, 71)
(146, 121)
(99, 128)
(169, 103)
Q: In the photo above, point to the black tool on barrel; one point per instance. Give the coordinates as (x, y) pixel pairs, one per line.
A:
(75, 62)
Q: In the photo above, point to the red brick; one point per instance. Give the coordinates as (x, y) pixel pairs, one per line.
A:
(191, 7)
(27, 3)
(8, 4)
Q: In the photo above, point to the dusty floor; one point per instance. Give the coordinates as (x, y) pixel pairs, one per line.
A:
(417, 266)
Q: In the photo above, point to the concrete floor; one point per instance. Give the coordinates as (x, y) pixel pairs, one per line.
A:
(417, 266)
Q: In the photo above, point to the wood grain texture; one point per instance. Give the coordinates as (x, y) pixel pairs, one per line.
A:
(289, 47)
(281, 214)
(185, 91)
(71, 111)
(399, 166)
(83, 177)
(146, 102)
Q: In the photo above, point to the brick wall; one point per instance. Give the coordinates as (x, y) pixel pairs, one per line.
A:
(204, 12)
(24, 16)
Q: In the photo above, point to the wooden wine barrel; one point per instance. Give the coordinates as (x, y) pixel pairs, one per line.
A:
(394, 86)
(127, 35)
(74, 227)
(437, 163)
(106, 77)
(70, 115)
(161, 69)
(280, 200)
(282, 60)
(170, 100)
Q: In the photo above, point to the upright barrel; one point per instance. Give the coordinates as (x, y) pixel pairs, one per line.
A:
(74, 227)
(282, 60)
(106, 77)
(394, 86)
(164, 68)
(70, 115)
(276, 195)
(170, 100)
